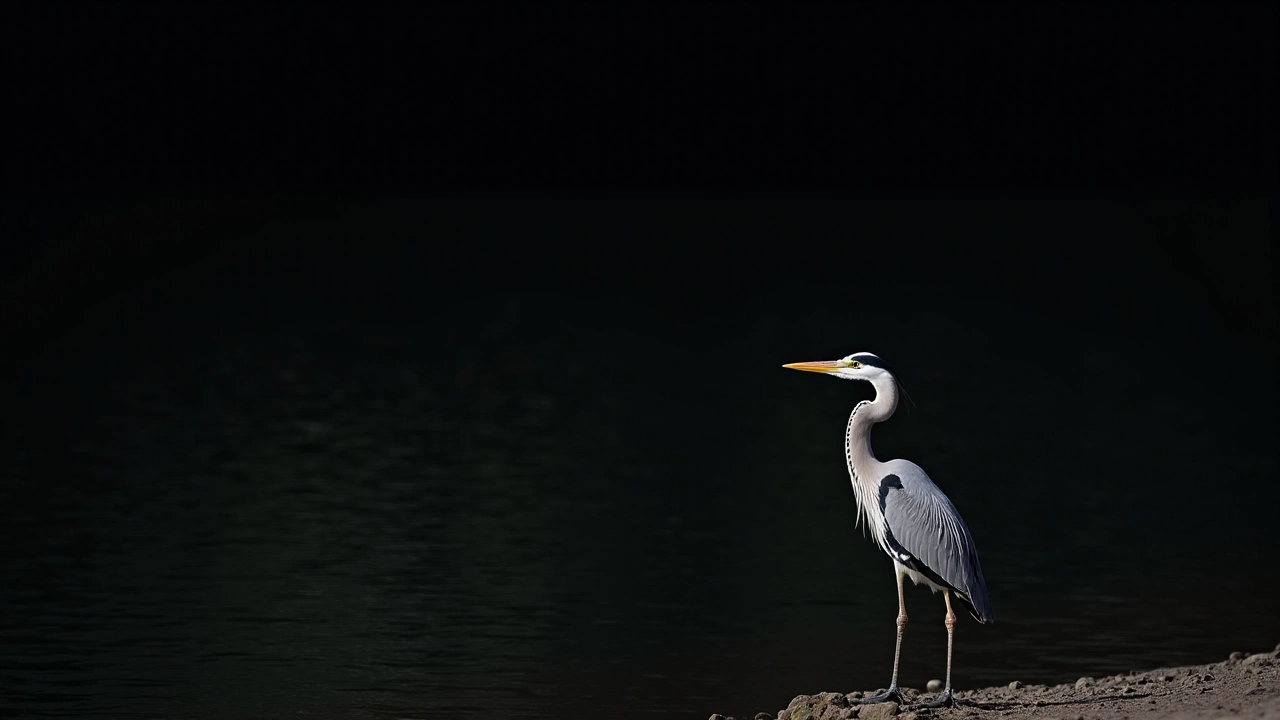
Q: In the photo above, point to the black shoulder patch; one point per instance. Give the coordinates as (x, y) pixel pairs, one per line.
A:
(887, 483)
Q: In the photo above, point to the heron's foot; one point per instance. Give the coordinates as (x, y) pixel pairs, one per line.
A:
(944, 699)
(890, 695)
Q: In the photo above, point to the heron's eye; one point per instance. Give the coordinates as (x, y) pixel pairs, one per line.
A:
(855, 364)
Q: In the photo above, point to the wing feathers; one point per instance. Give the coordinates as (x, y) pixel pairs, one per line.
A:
(924, 525)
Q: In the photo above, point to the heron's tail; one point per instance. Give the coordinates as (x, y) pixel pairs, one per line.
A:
(978, 602)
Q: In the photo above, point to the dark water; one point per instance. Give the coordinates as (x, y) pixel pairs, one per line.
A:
(358, 480)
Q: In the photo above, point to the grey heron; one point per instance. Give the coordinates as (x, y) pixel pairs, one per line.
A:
(906, 514)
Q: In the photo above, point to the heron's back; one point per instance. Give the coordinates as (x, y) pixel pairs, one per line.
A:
(926, 534)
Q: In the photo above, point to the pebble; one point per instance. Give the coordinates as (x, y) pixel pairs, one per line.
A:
(1236, 656)
(934, 686)
(1084, 682)
(716, 716)
(1015, 685)
(763, 716)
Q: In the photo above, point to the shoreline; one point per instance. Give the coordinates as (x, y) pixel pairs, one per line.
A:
(1245, 685)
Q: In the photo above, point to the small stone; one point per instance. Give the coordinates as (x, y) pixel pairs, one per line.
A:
(879, 711)
(1207, 677)
(717, 716)
(933, 686)
(1083, 683)
(1236, 656)
(1166, 677)
(909, 716)
(1015, 685)
(763, 716)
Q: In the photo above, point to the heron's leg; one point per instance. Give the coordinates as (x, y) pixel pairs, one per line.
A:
(945, 698)
(892, 694)
(902, 625)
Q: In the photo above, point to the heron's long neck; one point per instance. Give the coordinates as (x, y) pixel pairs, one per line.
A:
(858, 433)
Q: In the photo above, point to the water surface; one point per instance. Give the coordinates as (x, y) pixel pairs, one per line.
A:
(295, 496)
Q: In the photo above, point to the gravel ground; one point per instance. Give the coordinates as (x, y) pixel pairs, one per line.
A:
(1243, 686)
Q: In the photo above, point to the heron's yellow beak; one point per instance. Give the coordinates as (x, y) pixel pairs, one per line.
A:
(822, 366)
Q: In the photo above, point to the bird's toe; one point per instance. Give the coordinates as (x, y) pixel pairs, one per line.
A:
(944, 699)
(890, 695)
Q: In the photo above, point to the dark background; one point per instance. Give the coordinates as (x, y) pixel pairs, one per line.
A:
(422, 360)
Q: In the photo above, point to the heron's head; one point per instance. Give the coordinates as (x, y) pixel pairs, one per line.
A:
(858, 366)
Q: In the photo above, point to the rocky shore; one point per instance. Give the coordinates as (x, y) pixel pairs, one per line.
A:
(1242, 686)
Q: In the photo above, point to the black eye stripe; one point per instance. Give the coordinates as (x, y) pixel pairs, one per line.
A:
(872, 361)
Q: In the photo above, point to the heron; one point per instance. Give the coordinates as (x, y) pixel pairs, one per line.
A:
(906, 514)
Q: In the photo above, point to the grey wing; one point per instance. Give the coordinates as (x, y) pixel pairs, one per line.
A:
(926, 534)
